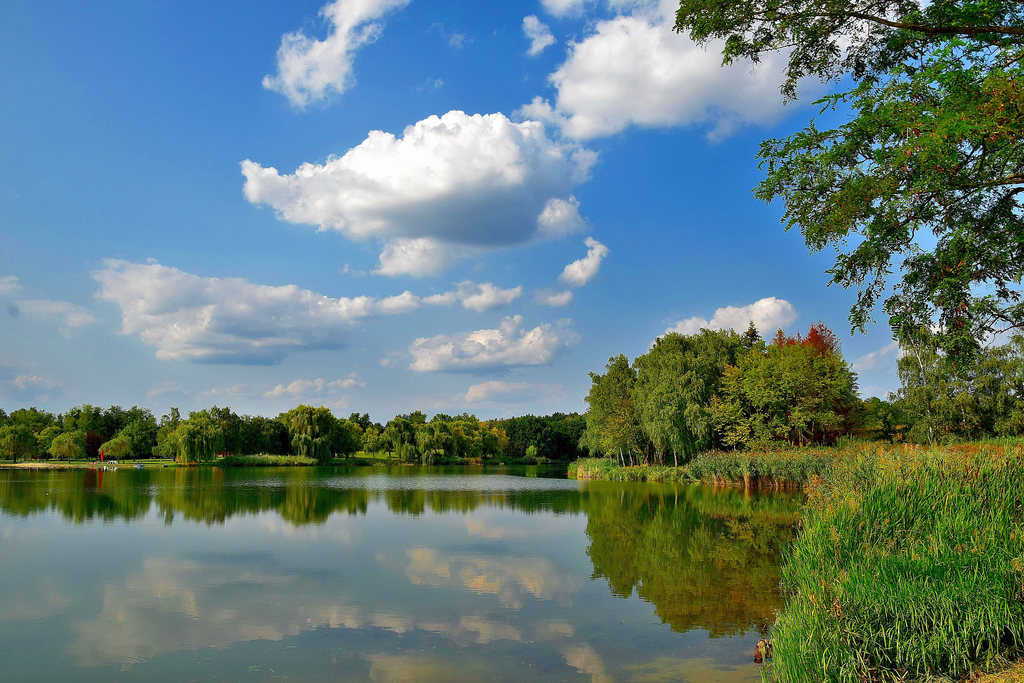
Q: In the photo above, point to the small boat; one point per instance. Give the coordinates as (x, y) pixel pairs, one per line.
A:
(138, 467)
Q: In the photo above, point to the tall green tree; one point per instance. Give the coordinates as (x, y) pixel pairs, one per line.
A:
(140, 434)
(118, 448)
(68, 446)
(311, 430)
(197, 439)
(943, 401)
(613, 425)
(797, 390)
(932, 147)
(676, 380)
(17, 441)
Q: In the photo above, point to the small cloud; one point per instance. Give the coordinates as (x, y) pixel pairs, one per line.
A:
(582, 271)
(319, 387)
(564, 8)
(768, 315)
(64, 313)
(553, 298)
(538, 33)
(487, 391)
(507, 346)
(165, 388)
(21, 386)
(432, 84)
(233, 391)
(476, 297)
(872, 360)
(8, 284)
(309, 70)
(454, 39)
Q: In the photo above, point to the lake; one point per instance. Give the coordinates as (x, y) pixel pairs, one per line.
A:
(383, 574)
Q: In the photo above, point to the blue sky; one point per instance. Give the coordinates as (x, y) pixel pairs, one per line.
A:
(380, 205)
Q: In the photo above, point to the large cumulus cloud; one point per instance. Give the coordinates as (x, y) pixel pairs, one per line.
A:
(448, 186)
(634, 69)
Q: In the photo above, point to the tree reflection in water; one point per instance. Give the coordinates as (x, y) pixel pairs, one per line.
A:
(704, 558)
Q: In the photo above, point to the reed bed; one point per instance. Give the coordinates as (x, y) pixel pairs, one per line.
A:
(264, 461)
(604, 468)
(910, 566)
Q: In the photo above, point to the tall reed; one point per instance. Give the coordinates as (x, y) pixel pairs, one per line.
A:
(910, 565)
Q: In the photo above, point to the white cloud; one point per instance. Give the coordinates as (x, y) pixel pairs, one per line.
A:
(230, 320)
(23, 387)
(634, 69)
(562, 8)
(455, 39)
(507, 346)
(538, 33)
(165, 388)
(487, 391)
(582, 271)
(560, 217)
(871, 360)
(401, 303)
(476, 297)
(309, 70)
(8, 284)
(64, 313)
(430, 195)
(319, 387)
(554, 298)
(420, 256)
(768, 315)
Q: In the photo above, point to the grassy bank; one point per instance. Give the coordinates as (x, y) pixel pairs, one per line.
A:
(762, 469)
(909, 565)
(83, 464)
(263, 461)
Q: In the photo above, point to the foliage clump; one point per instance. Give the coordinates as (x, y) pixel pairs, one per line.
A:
(719, 389)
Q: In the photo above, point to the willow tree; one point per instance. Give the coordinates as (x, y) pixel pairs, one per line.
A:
(675, 382)
(68, 446)
(613, 426)
(17, 442)
(311, 430)
(924, 178)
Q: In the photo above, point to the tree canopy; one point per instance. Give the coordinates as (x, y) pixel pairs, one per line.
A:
(925, 176)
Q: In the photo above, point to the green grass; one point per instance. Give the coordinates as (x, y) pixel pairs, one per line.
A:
(910, 566)
(263, 461)
(85, 464)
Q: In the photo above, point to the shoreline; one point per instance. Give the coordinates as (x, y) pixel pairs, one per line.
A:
(258, 461)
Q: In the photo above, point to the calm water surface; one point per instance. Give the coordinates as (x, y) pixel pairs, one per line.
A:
(402, 574)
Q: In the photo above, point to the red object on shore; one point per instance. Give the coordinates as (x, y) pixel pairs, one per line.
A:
(101, 456)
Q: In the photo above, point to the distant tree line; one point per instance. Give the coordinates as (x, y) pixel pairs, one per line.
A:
(312, 431)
